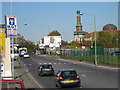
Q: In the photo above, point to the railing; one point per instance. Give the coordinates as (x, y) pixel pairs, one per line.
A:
(104, 55)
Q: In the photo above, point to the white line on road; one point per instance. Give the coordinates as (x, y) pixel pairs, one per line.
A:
(83, 75)
(51, 63)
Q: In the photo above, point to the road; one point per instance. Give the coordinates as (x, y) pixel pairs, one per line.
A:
(91, 77)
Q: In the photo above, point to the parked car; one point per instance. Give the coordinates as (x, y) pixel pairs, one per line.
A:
(21, 54)
(15, 56)
(68, 78)
(115, 53)
(46, 69)
(26, 55)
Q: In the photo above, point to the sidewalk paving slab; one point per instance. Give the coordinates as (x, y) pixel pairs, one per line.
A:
(20, 69)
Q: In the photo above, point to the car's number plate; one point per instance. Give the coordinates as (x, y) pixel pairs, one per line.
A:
(47, 69)
(70, 81)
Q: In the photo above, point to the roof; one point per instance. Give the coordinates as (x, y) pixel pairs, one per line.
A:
(45, 64)
(88, 35)
(109, 27)
(67, 70)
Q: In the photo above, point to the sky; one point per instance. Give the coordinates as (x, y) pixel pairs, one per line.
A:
(44, 17)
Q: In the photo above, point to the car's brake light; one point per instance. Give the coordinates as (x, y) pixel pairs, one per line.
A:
(60, 78)
(77, 77)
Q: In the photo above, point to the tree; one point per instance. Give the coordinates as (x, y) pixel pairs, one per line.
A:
(116, 39)
(74, 44)
(54, 33)
(25, 43)
(20, 40)
(107, 39)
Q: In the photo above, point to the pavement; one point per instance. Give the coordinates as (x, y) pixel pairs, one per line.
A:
(23, 75)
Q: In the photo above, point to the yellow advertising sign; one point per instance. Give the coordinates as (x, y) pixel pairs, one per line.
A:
(2, 40)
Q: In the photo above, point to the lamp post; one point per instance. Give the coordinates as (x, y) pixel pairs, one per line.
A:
(95, 62)
(117, 42)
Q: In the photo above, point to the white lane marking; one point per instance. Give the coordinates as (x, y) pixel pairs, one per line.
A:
(52, 63)
(83, 75)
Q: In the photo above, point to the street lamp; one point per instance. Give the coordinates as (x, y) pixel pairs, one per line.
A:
(94, 35)
(117, 42)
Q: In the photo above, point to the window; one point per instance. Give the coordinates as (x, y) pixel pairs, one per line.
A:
(69, 73)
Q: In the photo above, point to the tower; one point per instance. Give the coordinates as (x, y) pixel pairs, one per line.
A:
(78, 25)
(79, 34)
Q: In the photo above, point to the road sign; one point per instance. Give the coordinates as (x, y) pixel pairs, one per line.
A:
(11, 26)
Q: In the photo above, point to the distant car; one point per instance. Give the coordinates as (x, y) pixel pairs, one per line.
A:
(115, 53)
(26, 55)
(67, 77)
(46, 69)
(15, 56)
(21, 54)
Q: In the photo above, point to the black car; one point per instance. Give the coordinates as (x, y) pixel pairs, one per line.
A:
(67, 78)
(46, 69)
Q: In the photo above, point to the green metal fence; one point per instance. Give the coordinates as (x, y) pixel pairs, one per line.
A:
(104, 55)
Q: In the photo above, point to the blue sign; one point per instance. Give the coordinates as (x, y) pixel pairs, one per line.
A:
(11, 26)
(11, 21)
(11, 35)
